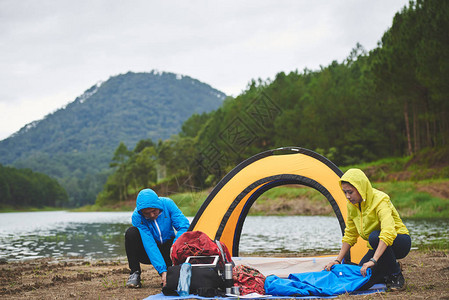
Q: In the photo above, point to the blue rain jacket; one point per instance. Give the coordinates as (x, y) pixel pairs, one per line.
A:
(161, 230)
(339, 280)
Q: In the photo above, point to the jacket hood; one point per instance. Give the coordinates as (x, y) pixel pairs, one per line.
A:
(148, 198)
(358, 179)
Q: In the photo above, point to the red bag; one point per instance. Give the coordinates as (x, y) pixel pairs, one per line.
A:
(249, 279)
(197, 243)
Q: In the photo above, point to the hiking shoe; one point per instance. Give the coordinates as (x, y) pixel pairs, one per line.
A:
(134, 280)
(396, 282)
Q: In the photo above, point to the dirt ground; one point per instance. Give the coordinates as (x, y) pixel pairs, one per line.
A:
(427, 275)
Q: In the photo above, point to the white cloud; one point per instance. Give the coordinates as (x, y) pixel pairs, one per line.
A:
(52, 51)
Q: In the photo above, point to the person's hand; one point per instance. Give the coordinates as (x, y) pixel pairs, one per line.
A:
(329, 265)
(365, 266)
(164, 278)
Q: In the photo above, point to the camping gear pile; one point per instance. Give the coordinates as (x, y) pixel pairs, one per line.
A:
(249, 280)
(204, 267)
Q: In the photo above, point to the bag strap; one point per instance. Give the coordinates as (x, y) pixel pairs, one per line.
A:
(223, 254)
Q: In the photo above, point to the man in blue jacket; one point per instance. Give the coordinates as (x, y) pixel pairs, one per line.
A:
(150, 238)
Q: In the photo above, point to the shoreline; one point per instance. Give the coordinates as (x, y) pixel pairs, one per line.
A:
(426, 273)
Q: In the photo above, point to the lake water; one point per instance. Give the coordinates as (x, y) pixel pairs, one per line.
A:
(100, 235)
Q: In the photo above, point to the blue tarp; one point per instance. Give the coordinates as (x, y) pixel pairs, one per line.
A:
(374, 289)
(162, 297)
(339, 280)
(312, 285)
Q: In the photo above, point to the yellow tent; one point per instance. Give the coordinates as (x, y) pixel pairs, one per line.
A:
(223, 213)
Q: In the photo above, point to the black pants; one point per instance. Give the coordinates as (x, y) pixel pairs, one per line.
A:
(136, 252)
(387, 263)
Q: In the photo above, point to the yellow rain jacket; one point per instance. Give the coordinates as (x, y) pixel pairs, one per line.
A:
(376, 212)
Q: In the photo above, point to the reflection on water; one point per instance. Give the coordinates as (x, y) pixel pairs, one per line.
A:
(290, 234)
(311, 234)
(424, 232)
(57, 234)
(101, 235)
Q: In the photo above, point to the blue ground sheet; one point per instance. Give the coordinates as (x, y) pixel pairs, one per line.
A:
(374, 289)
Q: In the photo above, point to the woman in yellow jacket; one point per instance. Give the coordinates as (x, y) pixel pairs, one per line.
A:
(372, 216)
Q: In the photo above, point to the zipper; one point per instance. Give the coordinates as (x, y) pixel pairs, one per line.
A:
(159, 230)
(361, 220)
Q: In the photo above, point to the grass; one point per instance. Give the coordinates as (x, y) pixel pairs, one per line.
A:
(291, 192)
(121, 206)
(109, 283)
(10, 208)
(391, 164)
(412, 203)
(189, 203)
(436, 245)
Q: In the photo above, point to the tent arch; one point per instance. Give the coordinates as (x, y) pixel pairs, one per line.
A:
(223, 213)
(262, 186)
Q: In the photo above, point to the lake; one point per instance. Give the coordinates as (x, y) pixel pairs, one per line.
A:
(100, 235)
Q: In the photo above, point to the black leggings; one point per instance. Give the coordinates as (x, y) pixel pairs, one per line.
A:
(387, 263)
(136, 252)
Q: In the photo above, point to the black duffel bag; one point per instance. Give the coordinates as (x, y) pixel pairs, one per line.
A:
(205, 282)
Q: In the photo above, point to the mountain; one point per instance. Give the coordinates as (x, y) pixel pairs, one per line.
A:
(75, 144)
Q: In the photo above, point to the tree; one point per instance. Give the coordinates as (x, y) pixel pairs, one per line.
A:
(120, 179)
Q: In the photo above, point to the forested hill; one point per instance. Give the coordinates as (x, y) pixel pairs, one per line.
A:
(77, 142)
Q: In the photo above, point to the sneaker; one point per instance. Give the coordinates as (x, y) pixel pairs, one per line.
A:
(396, 282)
(134, 280)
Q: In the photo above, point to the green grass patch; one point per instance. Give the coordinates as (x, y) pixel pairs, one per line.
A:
(412, 203)
(9, 208)
(437, 245)
(121, 206)
(392, 164)
(290, 192)
(190, 202)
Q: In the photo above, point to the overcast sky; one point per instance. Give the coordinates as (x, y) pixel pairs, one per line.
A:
(52, 51)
